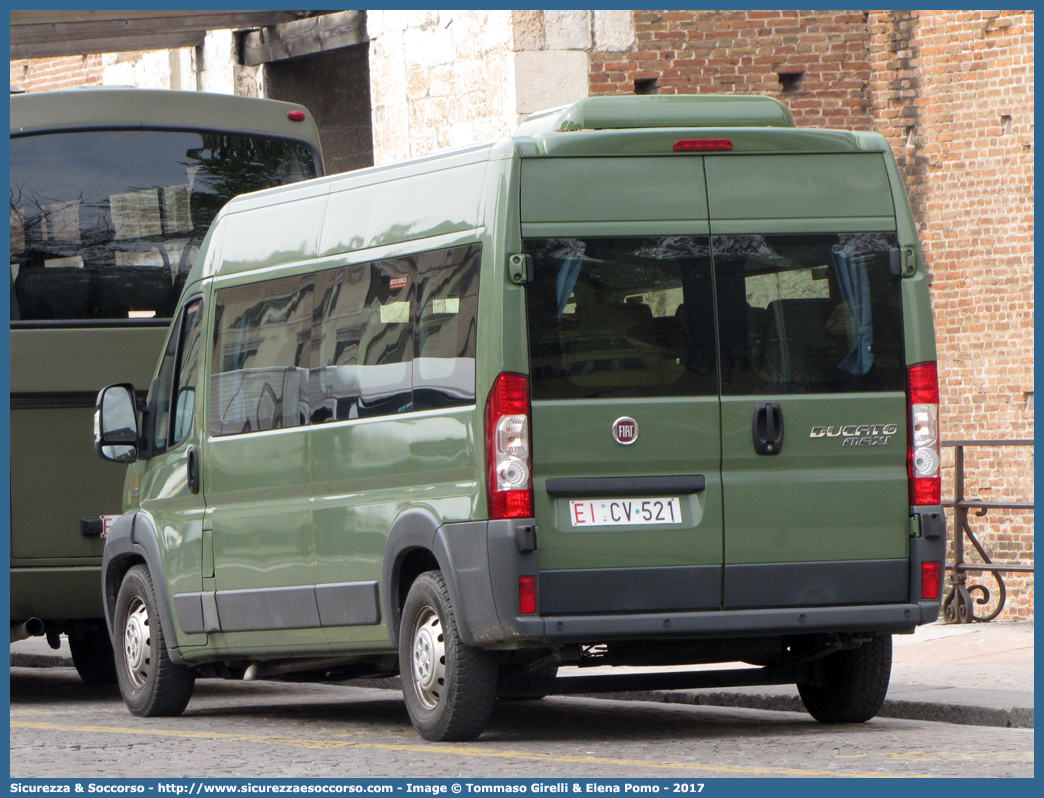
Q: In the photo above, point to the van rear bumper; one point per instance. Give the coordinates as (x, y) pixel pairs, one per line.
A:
(483, 560)
(895, 618)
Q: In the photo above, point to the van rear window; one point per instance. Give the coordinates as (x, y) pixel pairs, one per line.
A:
(634, 317)
(808, 314)
(621, 317)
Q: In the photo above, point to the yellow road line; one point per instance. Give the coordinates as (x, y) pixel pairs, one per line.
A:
(443, 748)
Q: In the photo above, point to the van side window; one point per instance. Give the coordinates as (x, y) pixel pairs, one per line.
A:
(175, 385)
(808, 314)
(262, 349)
(160, 396)
(621, 317)
(444, 368)
(396, 335)
(187, 373)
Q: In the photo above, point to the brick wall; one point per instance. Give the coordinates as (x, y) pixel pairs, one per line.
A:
(953, 93)
(818, 62)
(45, 74)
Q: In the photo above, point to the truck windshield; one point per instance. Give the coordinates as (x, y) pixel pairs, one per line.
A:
(105, 224)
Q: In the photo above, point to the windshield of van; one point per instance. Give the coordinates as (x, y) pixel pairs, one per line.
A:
(631, 317)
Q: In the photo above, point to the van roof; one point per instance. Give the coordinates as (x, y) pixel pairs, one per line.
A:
(606, 127)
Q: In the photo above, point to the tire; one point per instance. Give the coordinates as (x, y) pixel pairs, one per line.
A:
(152, 685)
(449, 687)
(852, 684)
(92, 656)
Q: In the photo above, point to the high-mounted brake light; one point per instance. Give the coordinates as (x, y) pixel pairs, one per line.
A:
(296, 116)
(702, 145)
(923, 458)
(509, 464)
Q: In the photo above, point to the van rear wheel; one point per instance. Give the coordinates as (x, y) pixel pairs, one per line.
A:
(449, 687)
(851, 685)
(152, 685)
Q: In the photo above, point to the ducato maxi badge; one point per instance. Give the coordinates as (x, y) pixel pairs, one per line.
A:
(858, 434)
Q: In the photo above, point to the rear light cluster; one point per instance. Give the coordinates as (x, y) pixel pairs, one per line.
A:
(923, 459)
(509, 462)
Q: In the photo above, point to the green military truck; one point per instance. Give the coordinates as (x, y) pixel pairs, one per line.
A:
(112, 191)
(650, 382)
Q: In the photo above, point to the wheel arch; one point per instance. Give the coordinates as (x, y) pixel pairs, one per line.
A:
(133, 540)
(408, 552)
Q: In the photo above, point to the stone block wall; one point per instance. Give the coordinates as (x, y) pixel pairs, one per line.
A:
(438, 79)
(211, 67)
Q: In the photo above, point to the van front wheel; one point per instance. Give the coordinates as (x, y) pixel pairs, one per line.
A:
(152, 685)
(851, 685)
(449, 687)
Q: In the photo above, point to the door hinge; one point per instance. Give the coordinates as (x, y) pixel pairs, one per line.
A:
(520, 269)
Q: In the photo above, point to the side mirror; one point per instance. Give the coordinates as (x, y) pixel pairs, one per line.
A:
(116, 424)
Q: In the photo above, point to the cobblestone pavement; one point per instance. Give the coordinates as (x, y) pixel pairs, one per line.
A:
(60, 727)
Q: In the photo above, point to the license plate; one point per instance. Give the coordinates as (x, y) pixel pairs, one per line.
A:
(625, 512)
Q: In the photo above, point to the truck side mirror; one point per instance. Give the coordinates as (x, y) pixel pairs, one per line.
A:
(116, 424)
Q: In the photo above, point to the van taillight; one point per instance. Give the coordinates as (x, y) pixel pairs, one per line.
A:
(931, 573)
(509, 464)
(923, 459)
(527, 595)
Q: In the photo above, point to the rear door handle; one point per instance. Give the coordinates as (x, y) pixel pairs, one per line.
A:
(768, 428)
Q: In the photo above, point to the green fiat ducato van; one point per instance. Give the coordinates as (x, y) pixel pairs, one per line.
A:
(650, 382)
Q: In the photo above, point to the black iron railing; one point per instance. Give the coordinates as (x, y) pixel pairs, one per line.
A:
(959, 604)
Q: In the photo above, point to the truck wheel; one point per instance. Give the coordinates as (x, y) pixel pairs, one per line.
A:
(449, 687)
(852, 684)
(92, 655)
(151, 684)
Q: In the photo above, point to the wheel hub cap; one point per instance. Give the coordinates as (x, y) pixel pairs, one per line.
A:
(429, 658)
(136, 643)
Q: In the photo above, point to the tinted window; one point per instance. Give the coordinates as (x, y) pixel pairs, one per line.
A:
(621, 317)
(176, 383)
(160, 396)
(444, 368)
(262, 349)
(188, 371)
(396, 335)
(366, 343)
(808, 314)
(105, 224)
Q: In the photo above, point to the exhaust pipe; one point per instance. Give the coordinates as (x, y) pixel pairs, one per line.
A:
(34, 627)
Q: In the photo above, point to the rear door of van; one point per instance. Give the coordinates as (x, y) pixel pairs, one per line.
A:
(625, 407)
(812, 380)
